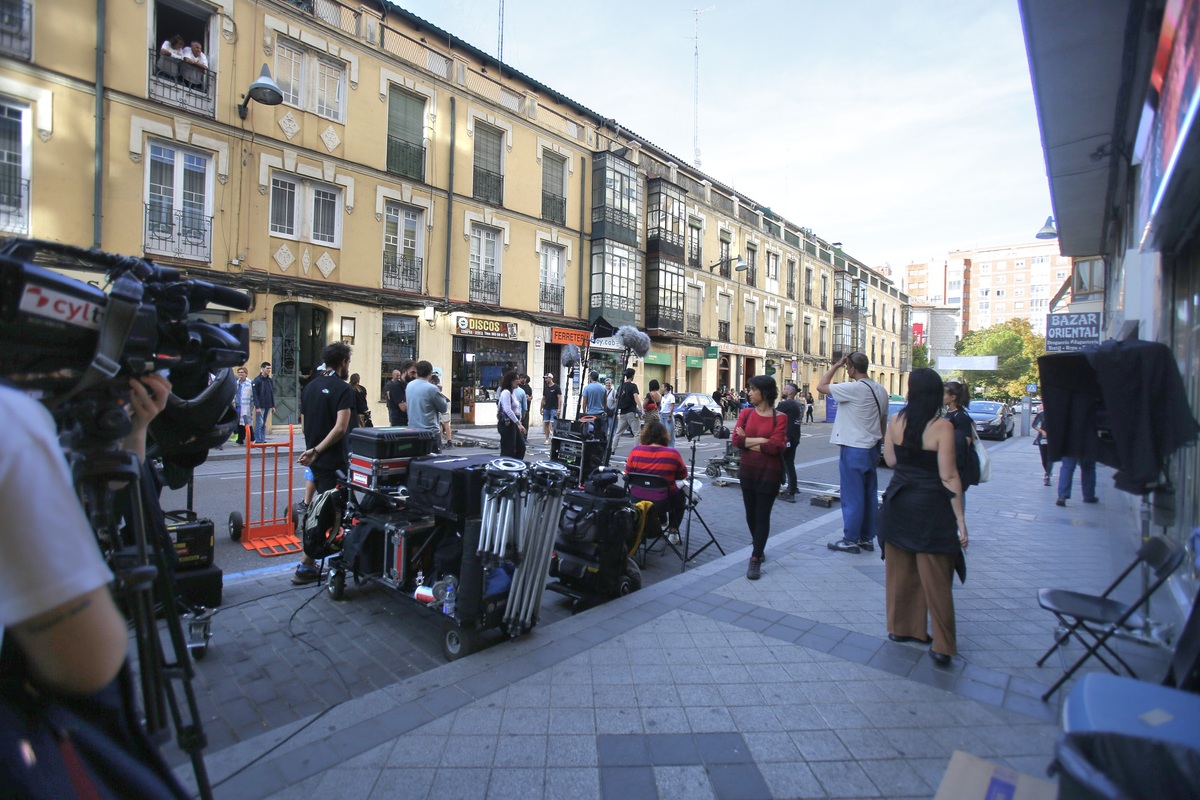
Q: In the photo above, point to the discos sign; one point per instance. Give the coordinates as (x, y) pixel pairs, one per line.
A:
(490, 328)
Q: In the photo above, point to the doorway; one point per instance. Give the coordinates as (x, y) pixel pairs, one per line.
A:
(296, 346)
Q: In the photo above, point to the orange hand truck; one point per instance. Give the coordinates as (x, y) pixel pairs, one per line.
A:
(274, 535)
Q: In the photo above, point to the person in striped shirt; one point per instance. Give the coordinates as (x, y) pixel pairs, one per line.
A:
(655, 456)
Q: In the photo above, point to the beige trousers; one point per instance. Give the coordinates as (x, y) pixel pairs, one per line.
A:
(919, 585)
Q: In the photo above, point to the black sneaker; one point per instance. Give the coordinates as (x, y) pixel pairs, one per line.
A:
(844, 546)
(866, 544)
(1091, 499)
(1062, 501)
(306, 573)
(754, 571)
(788, 497)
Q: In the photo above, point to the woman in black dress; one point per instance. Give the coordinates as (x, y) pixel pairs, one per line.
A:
(508, 419)
(955, 396)
(921, 526)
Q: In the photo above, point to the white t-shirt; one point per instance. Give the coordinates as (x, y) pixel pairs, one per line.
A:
(668, 403)
(49, 553)
(861, 404)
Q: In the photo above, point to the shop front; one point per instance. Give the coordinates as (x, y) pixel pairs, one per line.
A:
(483, 350)
(738, 364)
(656, 367)
(693, 375)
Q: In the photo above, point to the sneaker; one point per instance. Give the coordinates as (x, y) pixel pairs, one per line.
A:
(1062, 501)
(866, 544)
(788, 497)
(843, 546)
(1045, 480)
(754, 571)
(306, 573)
(1091, 499)
(673, 536)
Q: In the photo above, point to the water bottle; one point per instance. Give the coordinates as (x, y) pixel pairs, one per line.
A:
(420, 578)
(448, 603)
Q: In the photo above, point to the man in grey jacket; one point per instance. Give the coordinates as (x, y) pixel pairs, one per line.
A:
(425, 403)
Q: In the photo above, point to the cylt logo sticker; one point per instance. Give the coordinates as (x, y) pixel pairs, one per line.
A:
(50, 304)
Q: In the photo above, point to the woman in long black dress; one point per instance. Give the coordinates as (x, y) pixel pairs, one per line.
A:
(921, 526)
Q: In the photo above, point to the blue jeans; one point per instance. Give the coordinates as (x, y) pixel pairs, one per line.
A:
(860, 492)
(260, 425)
(1087, 477)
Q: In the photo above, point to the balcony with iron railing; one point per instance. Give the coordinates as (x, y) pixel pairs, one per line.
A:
(791, 289)
(695, 255)
(182, 234)
(488, 187)
(808, 344)
(16, 34)
(748, 337)
(824, 300)
(551, 298)
(484, 287)
(789, 340)
(554, 208)
(405, 158)
(808, 297)
(342, 17)
(176, 83)
(402, 272)
(693, 324)
(14, 205)
(723, 330)
(752, 276)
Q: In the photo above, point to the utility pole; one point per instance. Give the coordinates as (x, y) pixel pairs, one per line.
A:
(500, 42)
(695, 87)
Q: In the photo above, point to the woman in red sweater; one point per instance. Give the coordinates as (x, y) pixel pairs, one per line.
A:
(761, 435)
(655, 456)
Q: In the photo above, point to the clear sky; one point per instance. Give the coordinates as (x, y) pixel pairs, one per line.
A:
(901, 128)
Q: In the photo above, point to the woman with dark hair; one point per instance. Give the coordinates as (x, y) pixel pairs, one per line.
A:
(362, 410)
(508, 419)
(761, 435)
(922, 531)
(655, 456)
(956, 399)
(1042, 444)
(651, 403)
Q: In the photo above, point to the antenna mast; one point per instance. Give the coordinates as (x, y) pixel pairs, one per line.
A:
(695, 88)
(500, 41)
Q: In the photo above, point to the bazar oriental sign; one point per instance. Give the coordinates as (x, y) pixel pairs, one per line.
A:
(492, 328)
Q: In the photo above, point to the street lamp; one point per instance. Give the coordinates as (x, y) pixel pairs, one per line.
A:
(1048, 231)
(741, 264)
(264, 90)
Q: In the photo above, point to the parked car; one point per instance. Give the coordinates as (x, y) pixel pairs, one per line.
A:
(993, 420)
(691, 401)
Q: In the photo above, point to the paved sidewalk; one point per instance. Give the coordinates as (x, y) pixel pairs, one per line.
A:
(709, 685)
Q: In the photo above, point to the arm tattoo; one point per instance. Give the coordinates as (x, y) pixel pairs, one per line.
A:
(46, 624)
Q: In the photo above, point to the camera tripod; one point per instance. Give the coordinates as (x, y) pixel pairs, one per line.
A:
(692, 512)
(136, 554)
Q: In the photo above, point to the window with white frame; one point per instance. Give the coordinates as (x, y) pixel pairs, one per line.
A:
(306, 210)
(402, 247)
(310, 81)
(178, 201)
(553, 277)
(485, 265)
(772, 266)
(14, 167)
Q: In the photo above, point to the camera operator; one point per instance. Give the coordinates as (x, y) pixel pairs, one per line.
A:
(54, 596)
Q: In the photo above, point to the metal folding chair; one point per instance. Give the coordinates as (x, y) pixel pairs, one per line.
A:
(1093, 619)
(653, 488)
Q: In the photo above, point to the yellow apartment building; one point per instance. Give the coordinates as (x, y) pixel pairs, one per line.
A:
(388, 184)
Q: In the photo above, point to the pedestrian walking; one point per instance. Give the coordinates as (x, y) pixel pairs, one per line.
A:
(922, 530)
(761, 435)
(792, 409)
(858, 431)
(628, 409)
(264, 400)
(1087, 479)
(1041, 442)
(956, 399)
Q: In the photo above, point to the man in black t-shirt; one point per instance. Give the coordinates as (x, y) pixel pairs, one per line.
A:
(326, 407)
(550, 400)
(629, 409)
(397, 403)
(791, 407)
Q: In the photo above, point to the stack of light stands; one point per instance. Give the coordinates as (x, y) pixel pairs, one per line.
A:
(545, 481)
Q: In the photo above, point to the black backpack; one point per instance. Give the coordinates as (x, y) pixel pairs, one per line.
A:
(321, 524)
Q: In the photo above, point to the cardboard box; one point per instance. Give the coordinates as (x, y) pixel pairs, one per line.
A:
(972, 778)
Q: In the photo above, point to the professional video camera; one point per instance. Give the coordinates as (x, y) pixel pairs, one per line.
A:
(75, 346)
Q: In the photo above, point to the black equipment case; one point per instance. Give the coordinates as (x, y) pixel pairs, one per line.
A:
(193, 539)
(201, 587)
(591, 550)
(379, 457)
(448, 486)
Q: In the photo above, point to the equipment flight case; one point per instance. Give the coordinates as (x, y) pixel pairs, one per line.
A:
(379, 457)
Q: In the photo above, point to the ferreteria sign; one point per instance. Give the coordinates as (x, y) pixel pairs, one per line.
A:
(1068, 332)
(492, 328)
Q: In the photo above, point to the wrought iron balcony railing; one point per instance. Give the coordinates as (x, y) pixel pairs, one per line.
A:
(808, 297)
(554, 208)
(16, 35)
(791, 290)
(183, 234)
(405, 158)
(752, 276)
(695, 255)
(488, 187)
(550, 298)
(177, 83)
(789, 342)
(485, 287)
(723, 330)
(693, 324)
(748, 338)
(14, 205)
(402, 272)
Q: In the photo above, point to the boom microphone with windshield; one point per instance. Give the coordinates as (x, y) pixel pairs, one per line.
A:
(633, 339)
